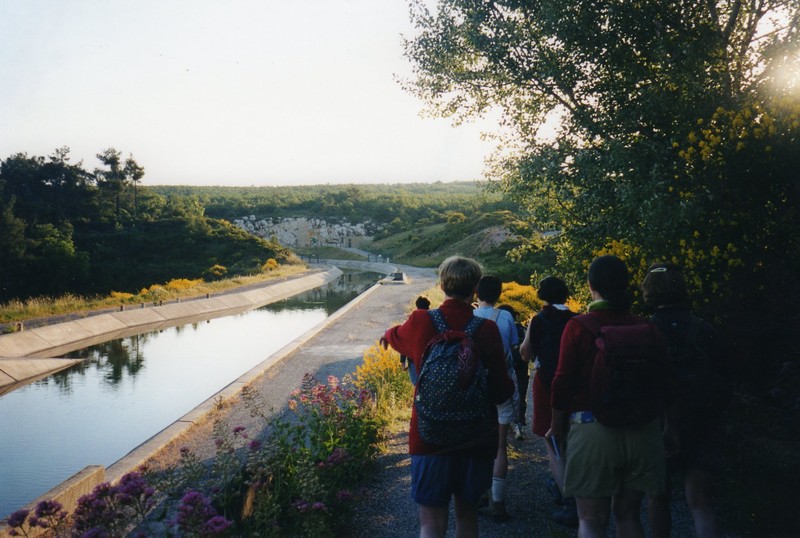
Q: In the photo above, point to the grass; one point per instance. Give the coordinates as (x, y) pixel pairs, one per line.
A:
(37, 307)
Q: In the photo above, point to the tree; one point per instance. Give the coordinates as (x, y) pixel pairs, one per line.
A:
(675, 137)
(134, 173)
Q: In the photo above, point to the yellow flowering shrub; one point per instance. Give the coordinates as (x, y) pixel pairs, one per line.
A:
(522, 299)
(183, 284)
(382, 374)
(269, 265)
(215, 272)
(121, 295)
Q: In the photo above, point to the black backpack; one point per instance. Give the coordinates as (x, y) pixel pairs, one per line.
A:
(550, 345)
(452, 399)
(700, 389)
(628, 378)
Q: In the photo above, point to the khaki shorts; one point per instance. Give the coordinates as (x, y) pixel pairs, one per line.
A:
(602, 461)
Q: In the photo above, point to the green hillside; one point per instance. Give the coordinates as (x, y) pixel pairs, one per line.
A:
(489, 238)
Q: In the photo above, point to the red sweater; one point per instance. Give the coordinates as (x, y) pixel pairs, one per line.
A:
(411, 338)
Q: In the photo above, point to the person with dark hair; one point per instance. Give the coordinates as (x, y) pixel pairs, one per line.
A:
(523, 378)
(614, 446)
(422, 303)
(701, 397)
(462, 472)
(488, 291)
(541, 346)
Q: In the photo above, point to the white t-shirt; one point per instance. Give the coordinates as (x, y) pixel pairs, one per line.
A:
(505, 323)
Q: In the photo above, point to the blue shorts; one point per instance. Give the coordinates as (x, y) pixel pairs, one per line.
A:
(435, 479)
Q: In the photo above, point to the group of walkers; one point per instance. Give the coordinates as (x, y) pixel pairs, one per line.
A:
(621, 401)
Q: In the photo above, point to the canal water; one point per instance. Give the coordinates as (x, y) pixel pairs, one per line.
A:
(129, 389)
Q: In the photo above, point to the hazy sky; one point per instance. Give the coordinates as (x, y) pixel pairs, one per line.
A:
(225, 92)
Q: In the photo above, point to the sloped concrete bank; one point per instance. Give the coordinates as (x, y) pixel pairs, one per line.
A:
(137, 321)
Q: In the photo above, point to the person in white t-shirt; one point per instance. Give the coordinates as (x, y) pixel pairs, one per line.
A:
(489, 289)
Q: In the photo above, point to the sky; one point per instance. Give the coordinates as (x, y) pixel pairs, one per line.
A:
(226, 92)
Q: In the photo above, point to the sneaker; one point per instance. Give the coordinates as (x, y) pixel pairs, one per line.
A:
(519, 435)
(552, 488)
(568, 515)
(499, 512)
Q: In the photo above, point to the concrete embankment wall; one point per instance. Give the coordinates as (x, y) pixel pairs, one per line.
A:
(126, 323)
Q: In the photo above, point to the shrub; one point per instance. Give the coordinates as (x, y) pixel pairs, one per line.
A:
(302, 478)
(215, 272)
(522, 299)
(121, 296)
(269, 265)
(382, 374)
(178, 284)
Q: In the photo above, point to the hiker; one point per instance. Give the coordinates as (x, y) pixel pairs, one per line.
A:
(462, 471)
(611, 387)
(422, 303)
(701, 394)
(523, 378)
(541, 346)
(489, 289)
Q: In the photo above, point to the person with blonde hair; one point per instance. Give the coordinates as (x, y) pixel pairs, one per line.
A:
(461, 472)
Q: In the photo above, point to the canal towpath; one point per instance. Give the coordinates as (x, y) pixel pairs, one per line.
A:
(336, 347)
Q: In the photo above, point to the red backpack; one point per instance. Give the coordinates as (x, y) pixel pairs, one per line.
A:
(630, 372)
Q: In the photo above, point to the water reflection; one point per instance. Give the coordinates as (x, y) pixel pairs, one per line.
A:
(332, 296)
(131, 388)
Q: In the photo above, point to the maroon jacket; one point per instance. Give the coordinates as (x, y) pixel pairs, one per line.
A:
(570, 388)
(411, 338)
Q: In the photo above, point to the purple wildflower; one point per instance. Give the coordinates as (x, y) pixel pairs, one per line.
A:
(17, 519)
(197, 516)
(254, 445)
(48, 509)
(216, 525)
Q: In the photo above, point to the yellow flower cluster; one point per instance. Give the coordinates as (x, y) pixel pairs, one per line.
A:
(269, 265)
(183, 283)
(522, 299)
(739, 129)
(382, 374)
(630, 253)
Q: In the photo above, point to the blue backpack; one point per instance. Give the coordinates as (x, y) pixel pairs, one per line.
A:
(452, 399)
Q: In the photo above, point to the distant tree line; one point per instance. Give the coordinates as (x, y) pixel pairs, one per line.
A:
(396, 206)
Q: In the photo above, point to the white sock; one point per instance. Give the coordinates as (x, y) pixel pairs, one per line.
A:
(498, 489)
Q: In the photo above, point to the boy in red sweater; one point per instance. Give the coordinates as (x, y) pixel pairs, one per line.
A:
(462, 472)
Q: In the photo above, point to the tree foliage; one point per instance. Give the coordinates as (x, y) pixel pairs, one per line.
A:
(64, 229)
(654, 130)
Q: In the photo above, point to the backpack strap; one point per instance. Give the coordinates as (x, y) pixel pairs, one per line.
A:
(473, 325)
(441, 324)
(438, 320)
